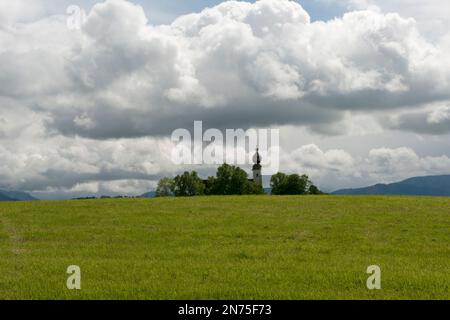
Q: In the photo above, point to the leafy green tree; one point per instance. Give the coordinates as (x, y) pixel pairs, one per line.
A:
(253, 188)
(209, 186)
(229, 180)
(165, 187)
(223, 180)
(232, 180)
(188, 184)
(293, 184)
(278, 183)
(296, 184)
(314, 190)
(239, 182)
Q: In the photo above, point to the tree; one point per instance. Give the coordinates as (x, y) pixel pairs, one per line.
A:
(188, 184)
(165, 187)
(278, 183)
(209, 186)
(314, 190)
(229, 180)
(293, 184)
(223, 180)
(232, 180)
(253, 188)
(239, 183)
(297, 184)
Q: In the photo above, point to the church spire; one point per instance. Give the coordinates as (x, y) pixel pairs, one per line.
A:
(257, 177)
(258, 157)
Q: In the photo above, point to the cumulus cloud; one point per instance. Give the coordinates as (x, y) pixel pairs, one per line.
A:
(334, 169)
(432, 15)
(236, 64)
(19, 11)
(32, 160)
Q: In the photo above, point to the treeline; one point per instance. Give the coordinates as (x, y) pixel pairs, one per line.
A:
(232, 180)
(294, 184)
(229, 180)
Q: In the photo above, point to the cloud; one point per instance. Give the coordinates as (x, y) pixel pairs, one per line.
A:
(19, 11)
(431, 15)
(91, 109)
(238, 63)
(33, 161)
(333, 169)
(393, 164)
(433, 120)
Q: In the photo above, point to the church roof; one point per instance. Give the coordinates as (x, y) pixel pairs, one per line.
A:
(257, 157)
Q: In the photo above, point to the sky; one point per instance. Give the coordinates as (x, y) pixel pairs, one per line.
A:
(359, 89)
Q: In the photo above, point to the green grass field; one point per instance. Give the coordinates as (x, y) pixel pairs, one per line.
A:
(256, 247)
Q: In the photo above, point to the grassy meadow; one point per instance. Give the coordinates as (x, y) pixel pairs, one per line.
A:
(249, 247)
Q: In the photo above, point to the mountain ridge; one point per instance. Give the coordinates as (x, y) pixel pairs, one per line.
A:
(437, 185)
(15, 196)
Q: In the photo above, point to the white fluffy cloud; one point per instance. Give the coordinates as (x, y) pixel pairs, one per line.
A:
(334, 169)
(432, 15)
(19, 11)
(121, 77)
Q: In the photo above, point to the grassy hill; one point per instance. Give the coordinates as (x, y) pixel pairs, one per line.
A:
(256, 247)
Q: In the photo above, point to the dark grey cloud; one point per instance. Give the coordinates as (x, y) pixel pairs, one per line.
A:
(434, 121)
(112, 122)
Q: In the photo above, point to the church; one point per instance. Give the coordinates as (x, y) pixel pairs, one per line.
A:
(256, 169)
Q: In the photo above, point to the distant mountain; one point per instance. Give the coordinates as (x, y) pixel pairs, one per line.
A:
(6, 198)
(417, 186)
(15, 196)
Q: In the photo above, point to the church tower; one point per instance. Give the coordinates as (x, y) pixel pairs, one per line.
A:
(257, 177)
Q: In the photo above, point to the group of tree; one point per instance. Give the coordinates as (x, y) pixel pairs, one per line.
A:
(232, 180)
(294, 184)
(229, 180)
